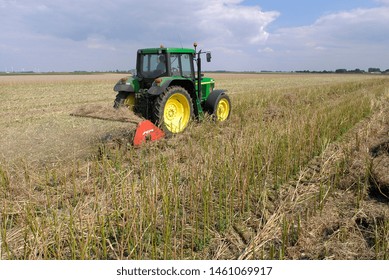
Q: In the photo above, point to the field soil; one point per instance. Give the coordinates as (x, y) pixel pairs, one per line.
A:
(352, 220)
(38, 121)
(72, 187)
(320, 215)
(109, 113)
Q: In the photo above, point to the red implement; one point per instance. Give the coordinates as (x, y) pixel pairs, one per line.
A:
(147, 131)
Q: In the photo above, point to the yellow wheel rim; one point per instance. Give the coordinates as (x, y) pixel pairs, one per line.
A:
(176, 114)
(130, 101)
(222, 109)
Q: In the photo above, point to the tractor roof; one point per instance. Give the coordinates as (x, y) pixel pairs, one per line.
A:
(166, 50)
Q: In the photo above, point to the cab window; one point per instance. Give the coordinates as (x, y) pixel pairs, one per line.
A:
(153, 65)
(181, 65)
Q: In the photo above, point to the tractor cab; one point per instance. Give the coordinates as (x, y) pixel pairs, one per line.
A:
(164, 62)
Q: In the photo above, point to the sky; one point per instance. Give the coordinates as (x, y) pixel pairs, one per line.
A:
(243, 35)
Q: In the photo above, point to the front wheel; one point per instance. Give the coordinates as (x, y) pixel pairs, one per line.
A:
(173, 109)
(219, 105)
(124, 99)
(119, 100)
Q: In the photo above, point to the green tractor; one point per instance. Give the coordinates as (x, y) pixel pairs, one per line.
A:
(169, 92)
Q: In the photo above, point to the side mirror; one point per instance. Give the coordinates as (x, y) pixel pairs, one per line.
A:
(209, 56)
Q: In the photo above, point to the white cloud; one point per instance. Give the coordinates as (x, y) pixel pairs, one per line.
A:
(235, 24)
(99, 42)
(356, 38)
(228, 51)
(266, 50)
(125, 25)
(225, 20)
(101, 35)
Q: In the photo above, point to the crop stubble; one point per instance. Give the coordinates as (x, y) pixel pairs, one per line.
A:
(226, 191)
(35, 115)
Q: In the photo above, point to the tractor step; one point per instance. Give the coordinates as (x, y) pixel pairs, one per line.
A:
(146, 131)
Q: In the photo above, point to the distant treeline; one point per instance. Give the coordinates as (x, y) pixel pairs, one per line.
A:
(64, 73)
(133, 71)
(340, 71)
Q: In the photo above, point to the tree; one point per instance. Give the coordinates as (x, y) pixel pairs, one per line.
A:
(374, 70)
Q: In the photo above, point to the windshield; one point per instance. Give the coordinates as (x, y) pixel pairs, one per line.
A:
(153, 65)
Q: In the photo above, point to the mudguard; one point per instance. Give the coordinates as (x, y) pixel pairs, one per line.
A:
(120, 87)
(211, 100)
(157, 90)
(167, 82)
(127, 84)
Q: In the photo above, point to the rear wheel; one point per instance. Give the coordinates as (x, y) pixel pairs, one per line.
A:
(173, 109)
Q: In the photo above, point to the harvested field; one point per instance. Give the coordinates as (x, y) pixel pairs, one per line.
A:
(299, 171)
(36, 120)
(106, 113)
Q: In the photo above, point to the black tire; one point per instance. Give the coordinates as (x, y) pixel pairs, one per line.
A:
(173, 110)
(119, 100)
(218, 105)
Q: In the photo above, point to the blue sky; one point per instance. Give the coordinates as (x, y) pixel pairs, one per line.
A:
(243, 35)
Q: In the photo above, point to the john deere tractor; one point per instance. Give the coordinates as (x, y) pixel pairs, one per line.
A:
(168, 91)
